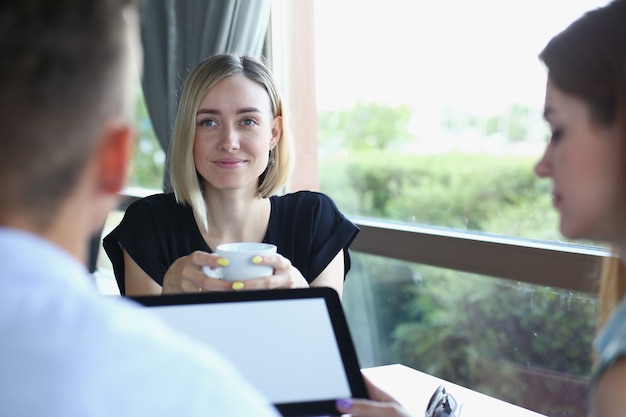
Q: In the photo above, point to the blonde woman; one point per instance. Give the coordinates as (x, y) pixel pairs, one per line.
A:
(231, 154)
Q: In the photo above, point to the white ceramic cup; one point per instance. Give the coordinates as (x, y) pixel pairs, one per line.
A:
(240, 266)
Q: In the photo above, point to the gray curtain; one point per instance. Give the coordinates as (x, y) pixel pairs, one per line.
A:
(177, 34)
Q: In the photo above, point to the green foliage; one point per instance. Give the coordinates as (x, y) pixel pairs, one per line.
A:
(536, 326)
(366, 126)
(519, 120)
(435, 338)
(495, 194)
(513, 124)
(525, 344)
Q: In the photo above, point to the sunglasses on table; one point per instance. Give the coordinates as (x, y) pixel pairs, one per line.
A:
(442, 404)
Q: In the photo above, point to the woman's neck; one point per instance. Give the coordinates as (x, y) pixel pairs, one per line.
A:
(235, 217)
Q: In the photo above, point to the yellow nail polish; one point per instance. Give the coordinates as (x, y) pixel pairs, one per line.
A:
(238, 285)
(222, 261)
(257, 259)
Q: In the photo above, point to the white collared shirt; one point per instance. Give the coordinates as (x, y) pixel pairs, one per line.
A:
(66, 350)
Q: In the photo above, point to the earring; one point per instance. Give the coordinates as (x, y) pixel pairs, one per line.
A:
(271, 161)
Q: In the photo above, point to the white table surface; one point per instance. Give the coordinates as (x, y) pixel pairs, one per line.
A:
(413, 389)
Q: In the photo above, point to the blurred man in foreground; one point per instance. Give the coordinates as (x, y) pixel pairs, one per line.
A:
(66, 73)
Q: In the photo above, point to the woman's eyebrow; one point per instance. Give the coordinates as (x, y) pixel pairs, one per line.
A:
(249, 110)
(207, 111)
(217, 112)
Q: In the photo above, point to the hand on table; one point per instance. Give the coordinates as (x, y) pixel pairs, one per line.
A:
(186, 275)
(380, 404)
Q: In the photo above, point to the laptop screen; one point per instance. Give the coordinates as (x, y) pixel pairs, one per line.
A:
(293, 345)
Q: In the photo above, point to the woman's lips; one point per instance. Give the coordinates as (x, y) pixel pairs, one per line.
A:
(229, 162)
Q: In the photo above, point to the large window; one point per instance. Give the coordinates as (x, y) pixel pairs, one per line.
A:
(430, 112)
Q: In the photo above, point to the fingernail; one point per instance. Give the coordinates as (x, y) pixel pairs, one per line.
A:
(344, 404)
(257, 259)
(222, 261)
(237, 285)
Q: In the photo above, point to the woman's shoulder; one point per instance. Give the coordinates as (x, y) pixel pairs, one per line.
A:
(303, 197)
(157, 208)
(302, 205)
(610, 342)
(155, 202)
(156, 199)
(614, 331)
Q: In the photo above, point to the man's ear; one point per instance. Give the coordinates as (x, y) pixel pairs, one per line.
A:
(113, 156)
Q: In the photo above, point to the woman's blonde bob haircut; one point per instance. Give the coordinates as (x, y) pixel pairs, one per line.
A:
(184, 177)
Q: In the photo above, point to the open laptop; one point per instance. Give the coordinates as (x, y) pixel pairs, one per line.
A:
(293, 345)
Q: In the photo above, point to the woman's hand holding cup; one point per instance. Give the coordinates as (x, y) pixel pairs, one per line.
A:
(187, 275)
(233, 267)
(255, 266)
